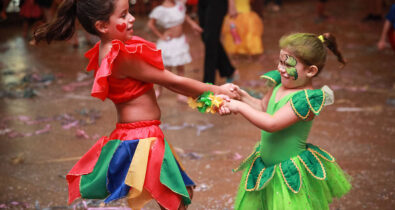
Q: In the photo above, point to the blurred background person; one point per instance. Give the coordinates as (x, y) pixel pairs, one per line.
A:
(243, 34)
(170, 16)
(211, 16)
(388, 30)
(4, 5)
(31, 13)
(276, 5)
(375, 11)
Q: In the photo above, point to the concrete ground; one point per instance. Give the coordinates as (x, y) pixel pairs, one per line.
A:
(42, 136)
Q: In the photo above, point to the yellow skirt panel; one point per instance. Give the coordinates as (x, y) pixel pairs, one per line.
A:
(250, 29)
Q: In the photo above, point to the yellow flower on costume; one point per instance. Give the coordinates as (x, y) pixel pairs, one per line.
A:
(216, 101)
(206, 103)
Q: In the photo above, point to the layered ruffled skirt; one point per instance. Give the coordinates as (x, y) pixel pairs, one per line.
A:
(134, 162)
(175, 52)
(249, 27)
(308, 181)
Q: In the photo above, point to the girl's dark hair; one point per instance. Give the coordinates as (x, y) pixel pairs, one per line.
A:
(330, 42)
(310, 48)
(86, 11)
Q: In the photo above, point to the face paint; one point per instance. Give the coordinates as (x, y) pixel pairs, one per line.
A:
(290, 65)
(121, 27)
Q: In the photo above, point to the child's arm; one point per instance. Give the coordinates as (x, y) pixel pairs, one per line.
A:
(386, 28)
(136, 68)
(193, 24)
(152, 26)
(232, 11)
(283, 118)
(258, 104)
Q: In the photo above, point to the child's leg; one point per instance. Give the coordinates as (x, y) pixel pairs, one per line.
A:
(190, 192)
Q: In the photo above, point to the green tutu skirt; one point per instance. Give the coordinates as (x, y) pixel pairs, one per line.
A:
(308, 181)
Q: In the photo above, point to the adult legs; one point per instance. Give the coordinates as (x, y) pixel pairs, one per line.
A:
(211, 15)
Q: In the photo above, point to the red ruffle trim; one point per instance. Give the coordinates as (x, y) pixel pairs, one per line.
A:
(134, 47)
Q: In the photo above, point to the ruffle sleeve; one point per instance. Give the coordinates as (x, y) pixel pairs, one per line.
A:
(156, 13)
(134, 47)
(273, 77)
(306, 101)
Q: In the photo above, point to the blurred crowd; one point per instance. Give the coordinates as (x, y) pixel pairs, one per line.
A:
(36, 12)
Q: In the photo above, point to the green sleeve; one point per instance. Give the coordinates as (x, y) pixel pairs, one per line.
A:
(306, 101)
(273, 77)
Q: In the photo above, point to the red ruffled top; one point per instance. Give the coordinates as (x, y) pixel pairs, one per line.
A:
(121, 90)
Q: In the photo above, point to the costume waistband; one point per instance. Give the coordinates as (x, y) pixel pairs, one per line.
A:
(139, 124)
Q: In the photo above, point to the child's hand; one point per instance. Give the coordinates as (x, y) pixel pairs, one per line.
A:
(229, 106)
(242, 93)
(224, 97)
(229, 92)
(197, 28)
(232, 88)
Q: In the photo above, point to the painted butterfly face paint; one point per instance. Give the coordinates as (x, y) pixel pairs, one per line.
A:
(121, 27)
(290, 63)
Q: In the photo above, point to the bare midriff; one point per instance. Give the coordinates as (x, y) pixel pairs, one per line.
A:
(173, 32)
(142, 108)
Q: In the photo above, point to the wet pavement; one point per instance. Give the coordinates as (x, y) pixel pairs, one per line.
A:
(48, 120)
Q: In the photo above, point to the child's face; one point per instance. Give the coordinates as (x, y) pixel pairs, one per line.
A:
(293, 72)
(120, 24)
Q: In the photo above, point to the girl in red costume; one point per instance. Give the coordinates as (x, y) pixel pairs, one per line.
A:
(135, 161)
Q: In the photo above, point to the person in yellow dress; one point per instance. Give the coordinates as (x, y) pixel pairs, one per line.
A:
(243, 34)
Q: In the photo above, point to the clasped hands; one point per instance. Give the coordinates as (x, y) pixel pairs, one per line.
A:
(229, 106)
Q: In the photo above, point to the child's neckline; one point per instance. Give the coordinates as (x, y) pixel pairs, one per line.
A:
(275, 94)
(275, 91)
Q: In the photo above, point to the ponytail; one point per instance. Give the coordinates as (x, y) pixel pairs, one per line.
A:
(310, 48)
(329, 41)
(62, 27)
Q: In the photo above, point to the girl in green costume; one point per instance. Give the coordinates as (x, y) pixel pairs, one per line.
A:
(285, 172)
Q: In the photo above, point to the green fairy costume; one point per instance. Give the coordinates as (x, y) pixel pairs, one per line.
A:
(285, 172)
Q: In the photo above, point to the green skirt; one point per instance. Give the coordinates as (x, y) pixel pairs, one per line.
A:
(308, 181)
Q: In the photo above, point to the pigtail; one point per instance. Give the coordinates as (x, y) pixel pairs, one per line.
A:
(62, 27)
(330, 43)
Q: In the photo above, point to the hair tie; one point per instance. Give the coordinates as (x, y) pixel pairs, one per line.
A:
(321, 38)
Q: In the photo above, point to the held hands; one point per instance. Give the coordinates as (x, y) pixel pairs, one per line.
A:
(236, 89)
(229, 106)
(230, 90)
